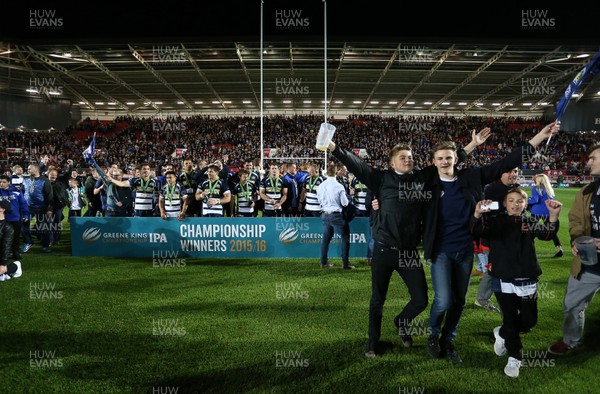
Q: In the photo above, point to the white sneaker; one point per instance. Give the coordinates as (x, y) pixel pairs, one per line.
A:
(19, 271)
(4, 277)
(499, 347)
(512, 367)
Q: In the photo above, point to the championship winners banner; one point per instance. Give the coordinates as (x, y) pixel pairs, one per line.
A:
(211, 237)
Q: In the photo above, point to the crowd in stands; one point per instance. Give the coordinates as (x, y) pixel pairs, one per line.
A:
(154, 140)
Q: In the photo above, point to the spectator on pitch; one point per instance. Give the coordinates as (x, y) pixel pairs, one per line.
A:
(94, 203)
(584, 280)
(118, 198)
(213, 193)
(7, 270)
(40, 198)
(333, 198)
(273, 191)
(515, 268)
(19, 212)
(173, 198)
(447, 238)
(17, 177)
(61, 200)
(495, 191)
(100, 188)
(76, 198)
(144, 189)
(541, 192)
(397, 233)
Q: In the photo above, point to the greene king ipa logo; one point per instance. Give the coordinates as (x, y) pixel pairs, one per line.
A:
(44, 19)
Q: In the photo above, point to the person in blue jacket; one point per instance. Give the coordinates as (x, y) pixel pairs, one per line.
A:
(19, 211)
(541, 192)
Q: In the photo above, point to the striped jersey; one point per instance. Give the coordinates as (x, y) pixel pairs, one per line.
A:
(173, 198)
(145, 191)
(273, 189)
(244, 194)
(214, 189)
(360, 194)
(312, 201)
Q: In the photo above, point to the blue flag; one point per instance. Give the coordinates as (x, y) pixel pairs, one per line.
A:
(88, 154)
(592, 68)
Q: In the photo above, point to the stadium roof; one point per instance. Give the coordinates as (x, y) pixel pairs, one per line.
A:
(370, 68)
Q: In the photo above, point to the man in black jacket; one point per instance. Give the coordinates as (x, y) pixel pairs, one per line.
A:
(447, 240)
(397, 230)
(60, 201)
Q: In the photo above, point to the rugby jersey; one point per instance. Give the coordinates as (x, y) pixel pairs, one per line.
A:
(245, 195)
(214, 189)
(173, 198)
(273, 190)
(312, 201)
(144, 193)
(360, 194)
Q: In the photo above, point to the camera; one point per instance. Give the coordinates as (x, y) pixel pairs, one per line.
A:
(492, 206)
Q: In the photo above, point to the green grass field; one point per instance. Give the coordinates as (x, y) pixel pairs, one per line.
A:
(107, 325)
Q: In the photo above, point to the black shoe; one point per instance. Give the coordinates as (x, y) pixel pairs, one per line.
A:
(559, 253)
(405, 337)
(433, 347)
(452, 355)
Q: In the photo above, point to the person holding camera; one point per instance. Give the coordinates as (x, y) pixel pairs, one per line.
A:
(447, 239)
(515, 269)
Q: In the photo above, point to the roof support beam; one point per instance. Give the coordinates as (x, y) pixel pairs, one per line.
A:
(157, 75)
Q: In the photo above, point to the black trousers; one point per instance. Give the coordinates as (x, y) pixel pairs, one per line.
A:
(519, 315)
(16, 225)
(385, 262)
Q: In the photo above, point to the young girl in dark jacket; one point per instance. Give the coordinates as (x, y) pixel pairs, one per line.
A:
(514, 268)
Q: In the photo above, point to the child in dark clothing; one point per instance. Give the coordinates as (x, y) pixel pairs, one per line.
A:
(514, 268)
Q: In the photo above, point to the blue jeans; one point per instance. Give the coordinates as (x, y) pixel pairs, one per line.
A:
(450, 275)
(335, 221)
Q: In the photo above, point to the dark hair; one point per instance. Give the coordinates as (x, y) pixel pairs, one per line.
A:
(5, 177)
(171, 173)
(214, 167)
